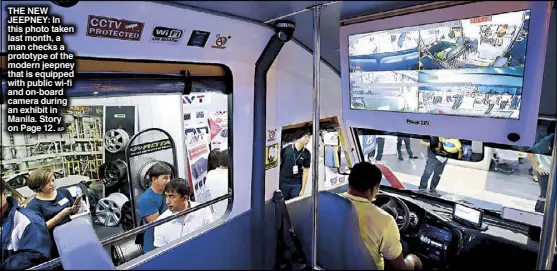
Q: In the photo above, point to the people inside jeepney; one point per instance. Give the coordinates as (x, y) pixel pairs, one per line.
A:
(54, 205)
(378, 229)
(152, 204)
(15, 194)
(25, 238)
(501, 32)
(177, 199)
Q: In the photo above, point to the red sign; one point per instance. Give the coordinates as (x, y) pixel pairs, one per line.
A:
(480, 20)
(111, 28)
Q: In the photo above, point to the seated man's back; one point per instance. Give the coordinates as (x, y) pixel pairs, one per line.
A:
(378, 229)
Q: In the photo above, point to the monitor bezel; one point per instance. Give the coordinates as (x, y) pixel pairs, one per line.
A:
(465, 127)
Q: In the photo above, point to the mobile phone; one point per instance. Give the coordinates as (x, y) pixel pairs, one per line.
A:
(77, 201)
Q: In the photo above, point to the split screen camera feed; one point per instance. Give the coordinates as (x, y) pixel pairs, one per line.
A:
(469, 67)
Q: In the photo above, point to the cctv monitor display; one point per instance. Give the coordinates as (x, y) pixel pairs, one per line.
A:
(456, 71)
(465, 67)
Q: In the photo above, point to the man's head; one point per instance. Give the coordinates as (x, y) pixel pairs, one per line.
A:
(213, 160)
(42, 181)
(223, 159)
(303, 139)
(160, 175)
(365, 179)
(4, 189)
(177, 194)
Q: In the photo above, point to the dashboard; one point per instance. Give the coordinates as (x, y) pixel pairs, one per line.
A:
(443, 243)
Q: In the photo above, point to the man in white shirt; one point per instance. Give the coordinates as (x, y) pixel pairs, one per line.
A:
(217, 183)
(177, 194)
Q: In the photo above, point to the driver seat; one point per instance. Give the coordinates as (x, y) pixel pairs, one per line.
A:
(339, 245)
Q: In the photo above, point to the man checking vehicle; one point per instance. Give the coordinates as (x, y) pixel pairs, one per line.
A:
(378, 229)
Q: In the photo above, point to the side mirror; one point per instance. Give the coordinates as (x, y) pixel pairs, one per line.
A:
(334, 158)
(457, 149)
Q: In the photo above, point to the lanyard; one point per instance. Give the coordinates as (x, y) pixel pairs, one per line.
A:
(294, 153)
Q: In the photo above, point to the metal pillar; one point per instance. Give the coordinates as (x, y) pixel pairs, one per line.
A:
(547, 242)
(315, 141)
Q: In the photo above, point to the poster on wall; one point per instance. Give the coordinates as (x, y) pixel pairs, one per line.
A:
(330, 138)
(218, 124)
(271, 156)
(197, 151)
(195, 123)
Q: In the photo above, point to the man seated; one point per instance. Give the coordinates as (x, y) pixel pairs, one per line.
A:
(378, 229)
(177, 194)
(25, 238)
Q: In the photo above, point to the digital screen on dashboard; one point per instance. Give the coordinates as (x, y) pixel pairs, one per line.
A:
(439, 234)
(468, 214)
(467, 67)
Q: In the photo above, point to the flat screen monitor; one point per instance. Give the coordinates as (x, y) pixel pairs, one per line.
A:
(448, 71)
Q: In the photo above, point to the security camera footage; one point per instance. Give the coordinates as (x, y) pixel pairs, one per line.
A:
(469, 67)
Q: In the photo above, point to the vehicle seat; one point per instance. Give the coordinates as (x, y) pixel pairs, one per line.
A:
(339, 245)
(80, 248)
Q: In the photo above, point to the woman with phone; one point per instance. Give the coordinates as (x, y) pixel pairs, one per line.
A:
(54, 205)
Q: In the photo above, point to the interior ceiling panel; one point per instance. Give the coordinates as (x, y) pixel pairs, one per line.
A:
(261, 11)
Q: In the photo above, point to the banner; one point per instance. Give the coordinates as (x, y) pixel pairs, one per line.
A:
(197, 151)
(218, 124)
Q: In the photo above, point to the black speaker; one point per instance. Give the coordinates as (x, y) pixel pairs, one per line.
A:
(65, 3)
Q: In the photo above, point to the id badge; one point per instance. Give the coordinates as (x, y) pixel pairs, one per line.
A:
(295, 169)
(63, 201)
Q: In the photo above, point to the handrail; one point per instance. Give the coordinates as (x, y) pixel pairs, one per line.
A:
(300, 11)
(114, 239)
(316, 124)
(402, 11)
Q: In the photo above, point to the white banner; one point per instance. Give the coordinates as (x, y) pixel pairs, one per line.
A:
(198, 152)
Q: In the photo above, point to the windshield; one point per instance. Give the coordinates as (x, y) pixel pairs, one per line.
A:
(507, 176)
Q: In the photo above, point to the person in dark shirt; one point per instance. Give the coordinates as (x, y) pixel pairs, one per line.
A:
(151, 204)
(24, 238)
(294, 167)
(433, 165)
(54, 205)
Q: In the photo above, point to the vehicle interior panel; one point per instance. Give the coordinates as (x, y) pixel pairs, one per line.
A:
(464, 247)
(432, 228)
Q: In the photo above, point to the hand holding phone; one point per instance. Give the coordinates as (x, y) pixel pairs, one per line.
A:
(76, 205)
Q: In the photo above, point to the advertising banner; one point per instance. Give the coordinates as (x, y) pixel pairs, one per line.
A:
(218, 124)
(198, 151)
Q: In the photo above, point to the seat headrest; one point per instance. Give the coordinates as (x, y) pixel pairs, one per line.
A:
(338, 228)
(80, 248)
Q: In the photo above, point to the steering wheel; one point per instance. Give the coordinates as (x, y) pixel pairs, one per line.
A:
(396, 208)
